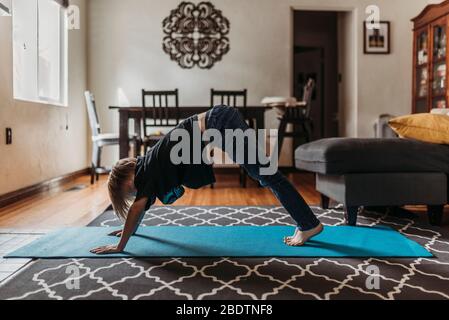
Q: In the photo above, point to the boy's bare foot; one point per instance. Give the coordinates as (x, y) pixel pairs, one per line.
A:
(301, 237)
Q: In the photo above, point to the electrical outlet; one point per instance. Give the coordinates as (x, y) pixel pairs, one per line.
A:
(8, 136)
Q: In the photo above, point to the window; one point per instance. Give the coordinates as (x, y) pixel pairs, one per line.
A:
(40, 51)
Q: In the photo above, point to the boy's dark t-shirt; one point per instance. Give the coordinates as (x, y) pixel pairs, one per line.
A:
(156, 175)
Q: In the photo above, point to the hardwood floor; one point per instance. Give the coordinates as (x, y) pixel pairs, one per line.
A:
(69, 206)
(57, 208)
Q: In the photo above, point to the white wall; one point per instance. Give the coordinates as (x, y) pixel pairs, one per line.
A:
(42, 147)
(377, 83)
(125, 53)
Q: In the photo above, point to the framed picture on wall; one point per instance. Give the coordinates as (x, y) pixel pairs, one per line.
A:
(376, 41)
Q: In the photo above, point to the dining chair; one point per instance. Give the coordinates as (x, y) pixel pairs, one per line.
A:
(237, 99)
(156, 113)
(299, 117)
(99, 140)
(231, 98)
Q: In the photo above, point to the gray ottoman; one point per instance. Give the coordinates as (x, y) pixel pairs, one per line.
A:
(378, 172)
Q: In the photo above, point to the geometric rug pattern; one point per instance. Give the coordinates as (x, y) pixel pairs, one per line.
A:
(244, 278)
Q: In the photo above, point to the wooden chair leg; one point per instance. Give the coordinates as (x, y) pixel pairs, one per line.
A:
(281, 136)
(95, 155)
(324, 201)
(243, 178)
(137, 148)
(351, 215)
(92, 174)
(435, 214)
(98, 162)
(308, 132)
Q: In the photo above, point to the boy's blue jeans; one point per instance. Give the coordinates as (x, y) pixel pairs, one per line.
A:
(222, 118)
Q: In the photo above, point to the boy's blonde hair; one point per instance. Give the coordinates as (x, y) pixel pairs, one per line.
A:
(121, 175)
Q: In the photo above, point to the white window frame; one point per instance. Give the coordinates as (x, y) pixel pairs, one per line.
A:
(63, 60)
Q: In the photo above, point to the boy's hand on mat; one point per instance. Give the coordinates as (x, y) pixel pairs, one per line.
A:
(106, 250)
(117, 233)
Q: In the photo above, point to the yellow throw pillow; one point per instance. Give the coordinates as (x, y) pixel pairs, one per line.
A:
(432, 128)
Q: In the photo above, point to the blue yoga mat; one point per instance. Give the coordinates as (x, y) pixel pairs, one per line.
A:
(342, 241)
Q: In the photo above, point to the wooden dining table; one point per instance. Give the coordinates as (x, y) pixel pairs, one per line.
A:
(255, 113)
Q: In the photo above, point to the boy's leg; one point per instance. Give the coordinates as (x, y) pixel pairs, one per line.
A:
(291, 200)
(308, 226)
(288, 196)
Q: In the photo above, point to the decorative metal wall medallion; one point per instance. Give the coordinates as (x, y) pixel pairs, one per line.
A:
(196, 34)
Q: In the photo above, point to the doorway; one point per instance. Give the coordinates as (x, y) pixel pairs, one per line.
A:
(316, 56)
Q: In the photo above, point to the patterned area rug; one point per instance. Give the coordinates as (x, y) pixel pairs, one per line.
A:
(225, 278)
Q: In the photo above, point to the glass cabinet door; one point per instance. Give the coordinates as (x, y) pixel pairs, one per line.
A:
(422, 77)
(439, 66)
(439, 42)
(422, 48)
(439, 79)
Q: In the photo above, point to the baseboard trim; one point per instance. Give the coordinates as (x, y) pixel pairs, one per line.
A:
(15, 196)
(12, 197)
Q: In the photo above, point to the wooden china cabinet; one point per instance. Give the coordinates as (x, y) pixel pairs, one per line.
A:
(430, 58)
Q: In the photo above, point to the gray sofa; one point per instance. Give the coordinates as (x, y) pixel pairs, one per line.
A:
(378, 172)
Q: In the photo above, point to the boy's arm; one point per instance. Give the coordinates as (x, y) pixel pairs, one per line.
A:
(119, 233)
(133, 220)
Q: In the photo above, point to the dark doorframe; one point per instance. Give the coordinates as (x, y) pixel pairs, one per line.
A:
(315, 55)
(301, 79)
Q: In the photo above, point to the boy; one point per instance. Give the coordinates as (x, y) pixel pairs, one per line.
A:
(134, 184)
